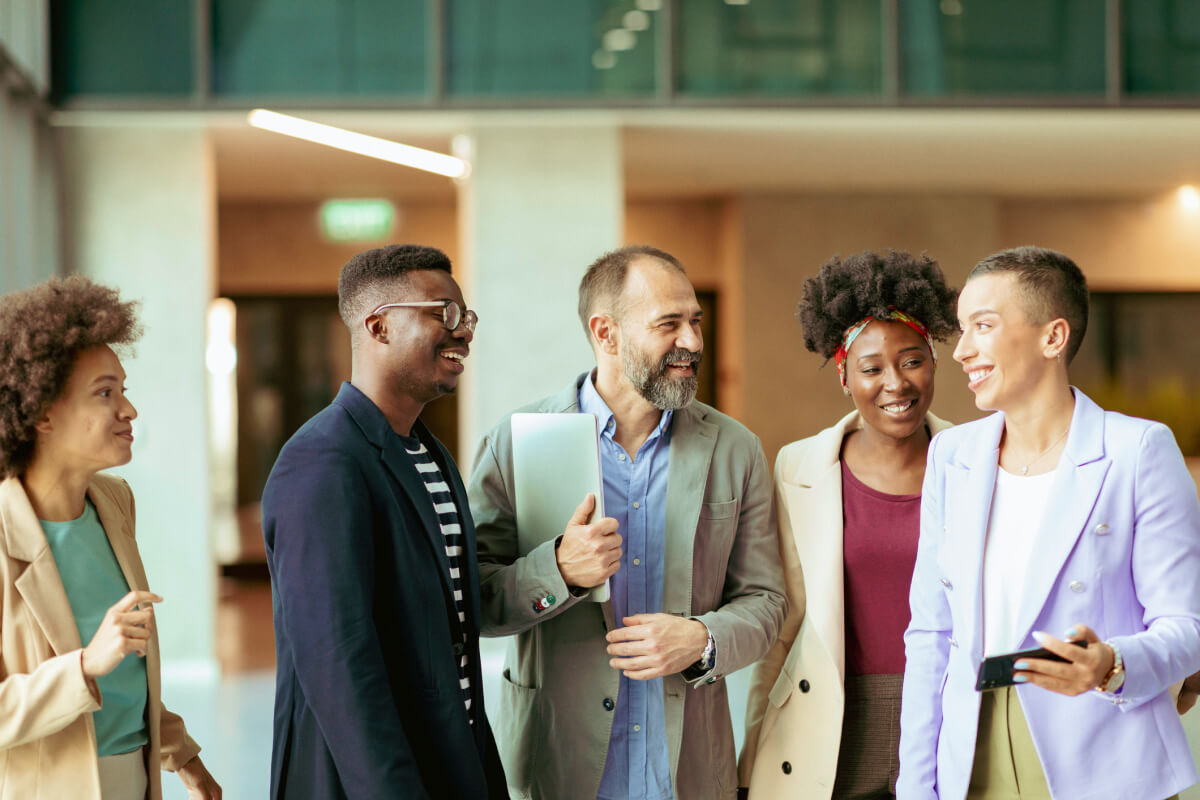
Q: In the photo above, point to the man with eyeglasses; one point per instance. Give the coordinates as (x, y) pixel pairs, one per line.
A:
(372, 557)
(625, 700)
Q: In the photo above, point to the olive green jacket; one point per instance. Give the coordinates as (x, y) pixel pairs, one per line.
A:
(722, 567)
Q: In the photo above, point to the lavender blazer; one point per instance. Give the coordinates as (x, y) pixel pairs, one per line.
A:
(1119, 550)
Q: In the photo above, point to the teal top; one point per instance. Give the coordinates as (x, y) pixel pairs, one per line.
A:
(94, 582)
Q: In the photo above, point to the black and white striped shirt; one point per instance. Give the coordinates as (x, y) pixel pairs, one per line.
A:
(451, 524)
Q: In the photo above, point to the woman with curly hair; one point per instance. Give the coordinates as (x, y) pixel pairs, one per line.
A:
(849, 515)
(76, 721)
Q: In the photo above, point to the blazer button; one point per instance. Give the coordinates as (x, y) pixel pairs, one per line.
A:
(458, 648)
(805, 686)
(1102, 529)
(1077, 586)
(953, 642)
(787, 768)
(608, 704)
(946, 583)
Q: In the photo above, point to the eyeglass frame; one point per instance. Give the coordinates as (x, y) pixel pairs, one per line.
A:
(466, 317)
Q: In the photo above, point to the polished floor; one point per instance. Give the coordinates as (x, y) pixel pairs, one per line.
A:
(231, 719)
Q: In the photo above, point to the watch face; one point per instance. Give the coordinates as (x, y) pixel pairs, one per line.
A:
(1116, 682)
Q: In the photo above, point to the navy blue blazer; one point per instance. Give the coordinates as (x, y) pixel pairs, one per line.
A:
(367, 639)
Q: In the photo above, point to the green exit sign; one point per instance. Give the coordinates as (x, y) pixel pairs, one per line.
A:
(357, 220)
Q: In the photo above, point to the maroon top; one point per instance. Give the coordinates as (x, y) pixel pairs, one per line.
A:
(879, 549)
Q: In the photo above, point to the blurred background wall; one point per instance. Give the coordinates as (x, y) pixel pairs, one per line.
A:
(752, 138)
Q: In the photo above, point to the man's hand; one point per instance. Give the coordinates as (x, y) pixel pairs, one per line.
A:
(1188, 694)
(199, 784)
(1083, 670)
(122, 631)
(588, 555)
(653, 645)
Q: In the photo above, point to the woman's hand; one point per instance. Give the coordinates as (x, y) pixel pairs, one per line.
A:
(1188, 694)
(1083, 671)
(121, 632)
(199, 784)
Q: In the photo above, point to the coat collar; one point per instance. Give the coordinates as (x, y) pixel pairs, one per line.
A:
(40, 583)
(971, 485)
(378, 431)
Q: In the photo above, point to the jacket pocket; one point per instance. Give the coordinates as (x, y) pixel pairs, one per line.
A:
(514, 731)
(723, 510)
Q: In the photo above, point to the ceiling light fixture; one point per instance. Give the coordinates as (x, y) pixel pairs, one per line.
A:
(1189, 198)
(351, 142)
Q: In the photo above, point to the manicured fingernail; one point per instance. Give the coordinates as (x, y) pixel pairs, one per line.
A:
(1021, 665)
(1040, 636)
(1019, 679)
(1071, 634)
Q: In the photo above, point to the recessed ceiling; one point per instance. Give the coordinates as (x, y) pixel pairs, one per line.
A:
(704, 152)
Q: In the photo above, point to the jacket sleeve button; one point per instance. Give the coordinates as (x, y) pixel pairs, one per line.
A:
(608, 704)
(787, 768)
(805, 686)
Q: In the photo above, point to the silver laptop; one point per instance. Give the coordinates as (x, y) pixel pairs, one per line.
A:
(556, 463)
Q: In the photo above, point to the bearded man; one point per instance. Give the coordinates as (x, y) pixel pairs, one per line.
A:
(625, 699)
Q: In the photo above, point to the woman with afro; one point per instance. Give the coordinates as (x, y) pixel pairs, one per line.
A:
(80, 715)
(849, 520)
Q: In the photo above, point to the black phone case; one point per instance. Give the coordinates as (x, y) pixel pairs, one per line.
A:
(996, 672)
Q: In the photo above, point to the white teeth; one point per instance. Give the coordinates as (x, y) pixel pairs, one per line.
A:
(896, 408)
(454, 356)
(978, 374)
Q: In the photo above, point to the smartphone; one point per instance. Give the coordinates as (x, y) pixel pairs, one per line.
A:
(997, 671)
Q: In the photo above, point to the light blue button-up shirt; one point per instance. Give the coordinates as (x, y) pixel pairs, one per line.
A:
(635, 495)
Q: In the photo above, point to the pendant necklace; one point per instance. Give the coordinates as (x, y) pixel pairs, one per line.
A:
(1038, 457)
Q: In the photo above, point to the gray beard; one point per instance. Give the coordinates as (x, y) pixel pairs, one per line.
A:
(653, 383)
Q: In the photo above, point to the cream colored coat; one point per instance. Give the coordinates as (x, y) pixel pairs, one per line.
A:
(47, 737)
(797, 695)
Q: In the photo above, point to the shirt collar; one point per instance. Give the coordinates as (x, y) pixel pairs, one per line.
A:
(590, 402)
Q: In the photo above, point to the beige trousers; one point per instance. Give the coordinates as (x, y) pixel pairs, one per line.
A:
(123, 777)
(1006, 764)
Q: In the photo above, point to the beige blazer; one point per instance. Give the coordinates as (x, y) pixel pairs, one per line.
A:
(47, 737)
(558, 689)
(794, 711)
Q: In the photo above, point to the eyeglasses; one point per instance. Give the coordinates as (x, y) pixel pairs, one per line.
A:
(453, 314)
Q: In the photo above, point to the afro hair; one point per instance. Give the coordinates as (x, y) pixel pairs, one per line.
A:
(868, 284)
(42, 332)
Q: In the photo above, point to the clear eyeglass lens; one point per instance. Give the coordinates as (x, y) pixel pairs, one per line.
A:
(451, 315)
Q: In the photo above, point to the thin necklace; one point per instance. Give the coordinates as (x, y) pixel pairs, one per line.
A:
(1038, 457)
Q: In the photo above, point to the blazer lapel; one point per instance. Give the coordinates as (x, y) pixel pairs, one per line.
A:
(39, 584)
(970, 486)
(117, 526)
(410, 481)
(811, 498)
(1077, 483)
(692, 443)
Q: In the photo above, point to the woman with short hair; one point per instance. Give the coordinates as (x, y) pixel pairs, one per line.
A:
(79, 722)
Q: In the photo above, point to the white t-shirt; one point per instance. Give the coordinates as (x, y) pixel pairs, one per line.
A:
(1018, 508)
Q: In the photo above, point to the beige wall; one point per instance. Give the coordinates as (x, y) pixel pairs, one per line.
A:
(277, 248)
(1142, 244)
(757, 250)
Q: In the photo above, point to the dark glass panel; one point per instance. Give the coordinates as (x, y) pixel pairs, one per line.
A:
(317, 48)
(776, 48)
(551, 48)
(131, 47)
(1162, 46)
(1002, 47)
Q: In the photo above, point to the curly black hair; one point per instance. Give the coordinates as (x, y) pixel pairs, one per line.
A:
(846, 291)
(42, 332)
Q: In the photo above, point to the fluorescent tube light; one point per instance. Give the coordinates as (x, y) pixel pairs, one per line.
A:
(351, 142)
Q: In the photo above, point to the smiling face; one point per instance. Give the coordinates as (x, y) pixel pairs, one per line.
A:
(889, 375)
(1006, 355)
(423, 358)
(87, 428)
(660, 345)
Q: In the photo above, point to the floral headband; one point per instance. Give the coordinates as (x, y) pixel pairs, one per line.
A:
(854, 330)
